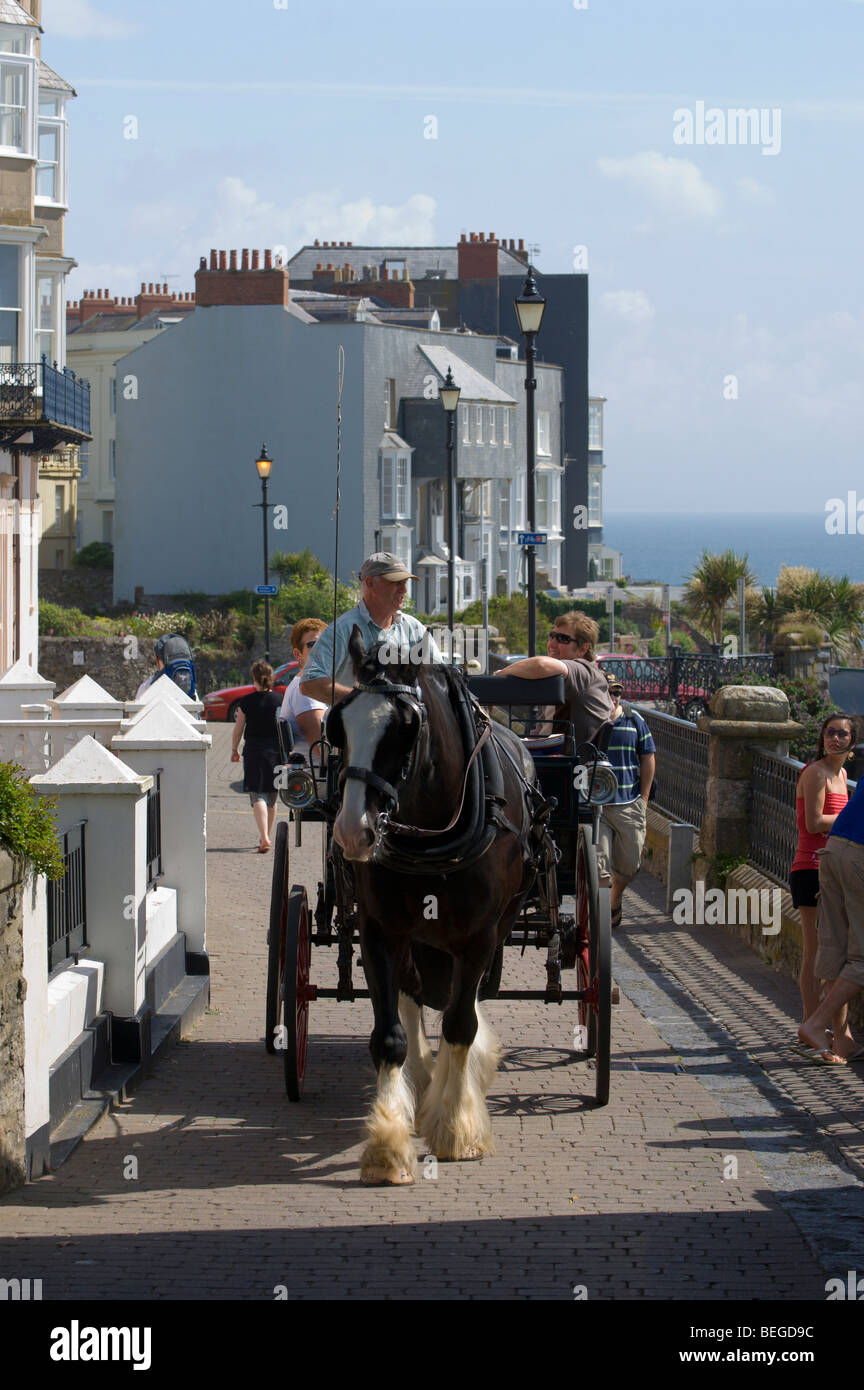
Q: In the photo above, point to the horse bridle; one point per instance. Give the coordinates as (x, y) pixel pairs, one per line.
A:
(409, 695)
(412, 696)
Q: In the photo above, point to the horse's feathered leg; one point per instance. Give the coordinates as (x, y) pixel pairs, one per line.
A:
(389, 1154)
(453, 1116)
(420, 1063)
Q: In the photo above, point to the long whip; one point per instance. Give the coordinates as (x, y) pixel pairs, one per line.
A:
(340, 378)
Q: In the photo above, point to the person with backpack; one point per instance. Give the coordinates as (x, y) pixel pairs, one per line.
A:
(631, 751)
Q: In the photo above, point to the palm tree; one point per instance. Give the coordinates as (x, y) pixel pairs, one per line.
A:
(713, 582)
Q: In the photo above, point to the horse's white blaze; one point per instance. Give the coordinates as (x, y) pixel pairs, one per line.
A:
(389, 1153)
(453, 1115)
(420, 1062)
(364, 721)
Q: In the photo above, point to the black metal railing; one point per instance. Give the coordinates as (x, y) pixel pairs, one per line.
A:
(154, 830)
(681, 774)
(773, 825)
(687, 681)
(35, 392)
(67, 901)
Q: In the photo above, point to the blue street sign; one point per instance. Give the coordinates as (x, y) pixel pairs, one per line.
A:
(270, 589)
(532, 538)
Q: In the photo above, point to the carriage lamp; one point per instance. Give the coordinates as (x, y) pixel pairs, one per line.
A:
(298, 790)
(263, 463)
(596, 781)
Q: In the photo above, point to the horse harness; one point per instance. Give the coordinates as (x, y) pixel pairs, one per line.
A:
(481, 805)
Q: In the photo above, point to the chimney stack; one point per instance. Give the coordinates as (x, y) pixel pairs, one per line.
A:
(226, 282)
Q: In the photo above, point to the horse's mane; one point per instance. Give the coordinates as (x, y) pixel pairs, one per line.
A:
(408, 672)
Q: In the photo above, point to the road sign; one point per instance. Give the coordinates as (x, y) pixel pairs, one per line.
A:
(267, 589)
(532, 538)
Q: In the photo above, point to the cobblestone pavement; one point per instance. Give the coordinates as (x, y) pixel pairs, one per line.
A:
(723, 1167)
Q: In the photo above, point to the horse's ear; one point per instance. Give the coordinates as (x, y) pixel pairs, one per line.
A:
(356, 649)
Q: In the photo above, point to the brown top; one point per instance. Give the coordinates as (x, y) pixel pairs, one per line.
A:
(587, 702)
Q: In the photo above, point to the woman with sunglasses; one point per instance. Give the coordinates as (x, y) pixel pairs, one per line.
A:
(821, 795)
(302, 713)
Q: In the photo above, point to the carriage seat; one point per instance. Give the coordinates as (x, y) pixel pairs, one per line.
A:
(516, 690)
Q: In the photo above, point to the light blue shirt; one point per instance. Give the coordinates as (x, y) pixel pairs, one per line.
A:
(406, 631)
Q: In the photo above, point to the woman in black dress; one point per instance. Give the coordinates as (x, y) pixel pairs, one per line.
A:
(261, 757)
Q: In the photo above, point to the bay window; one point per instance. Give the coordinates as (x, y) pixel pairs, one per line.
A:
(45, 340)
(10, 305)
(16, 104)
(395, 486)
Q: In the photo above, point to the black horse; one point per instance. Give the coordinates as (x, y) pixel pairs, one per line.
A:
(429, 926)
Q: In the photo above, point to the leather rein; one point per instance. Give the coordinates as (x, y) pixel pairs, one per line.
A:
(412, 697)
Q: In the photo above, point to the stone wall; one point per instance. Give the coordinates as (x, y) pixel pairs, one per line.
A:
(113, 663)
(89, 590)
(12, 991)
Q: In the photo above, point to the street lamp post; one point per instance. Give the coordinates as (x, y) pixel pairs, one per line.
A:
(530, 305)
(264, 463)
(449, 394)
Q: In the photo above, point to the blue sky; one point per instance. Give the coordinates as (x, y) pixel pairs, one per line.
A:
(259, 126)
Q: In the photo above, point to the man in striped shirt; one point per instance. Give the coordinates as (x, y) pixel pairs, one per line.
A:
(630, 750)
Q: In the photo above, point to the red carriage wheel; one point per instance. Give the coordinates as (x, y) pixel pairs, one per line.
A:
(594, 961)
(296, 990)
(273, 1037)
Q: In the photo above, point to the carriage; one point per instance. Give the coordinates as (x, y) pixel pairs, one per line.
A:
(573, 784)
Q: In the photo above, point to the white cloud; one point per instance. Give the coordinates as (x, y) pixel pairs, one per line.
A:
(633, 305)
(671, 184)
(79, 19)
(246, 219)
(172, 236)
(754, 192)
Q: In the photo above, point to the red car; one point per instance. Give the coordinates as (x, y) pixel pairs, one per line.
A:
(223, 704)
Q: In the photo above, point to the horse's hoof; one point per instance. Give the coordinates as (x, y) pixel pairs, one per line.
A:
(386, 1177)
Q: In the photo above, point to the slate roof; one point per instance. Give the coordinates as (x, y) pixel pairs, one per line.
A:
(423, 261)
(473, 385)
(52, 80)
(13, 13)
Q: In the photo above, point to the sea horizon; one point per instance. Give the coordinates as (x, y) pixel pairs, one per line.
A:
(664, 547)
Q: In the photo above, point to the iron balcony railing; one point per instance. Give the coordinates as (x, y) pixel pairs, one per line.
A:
(687, 681)
(681, 774)
(154, 830)
(67, 901)
(36, 393)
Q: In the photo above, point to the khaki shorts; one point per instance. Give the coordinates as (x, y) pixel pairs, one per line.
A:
(622, 835)
(840, 916)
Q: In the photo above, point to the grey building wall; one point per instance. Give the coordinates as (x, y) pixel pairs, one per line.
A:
(209, 392)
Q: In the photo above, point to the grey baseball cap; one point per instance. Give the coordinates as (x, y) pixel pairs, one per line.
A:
(383, 565)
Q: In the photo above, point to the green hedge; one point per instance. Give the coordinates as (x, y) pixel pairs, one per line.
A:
(26, 824)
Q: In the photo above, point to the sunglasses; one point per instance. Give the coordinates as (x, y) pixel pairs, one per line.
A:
(311, 642)
(563, 637)
(838, 733)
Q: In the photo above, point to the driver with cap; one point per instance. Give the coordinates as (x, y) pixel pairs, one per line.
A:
(378, 616)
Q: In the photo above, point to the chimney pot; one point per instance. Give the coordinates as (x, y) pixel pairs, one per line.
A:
(233, 260)
(214, 260)
(244, 260)
(268, 260)
(223, 261)
(349, 243)
(254, 260)
(491, 236)
(521, 243)
(316, 242)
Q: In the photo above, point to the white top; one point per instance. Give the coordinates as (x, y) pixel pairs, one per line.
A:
(293, 703)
